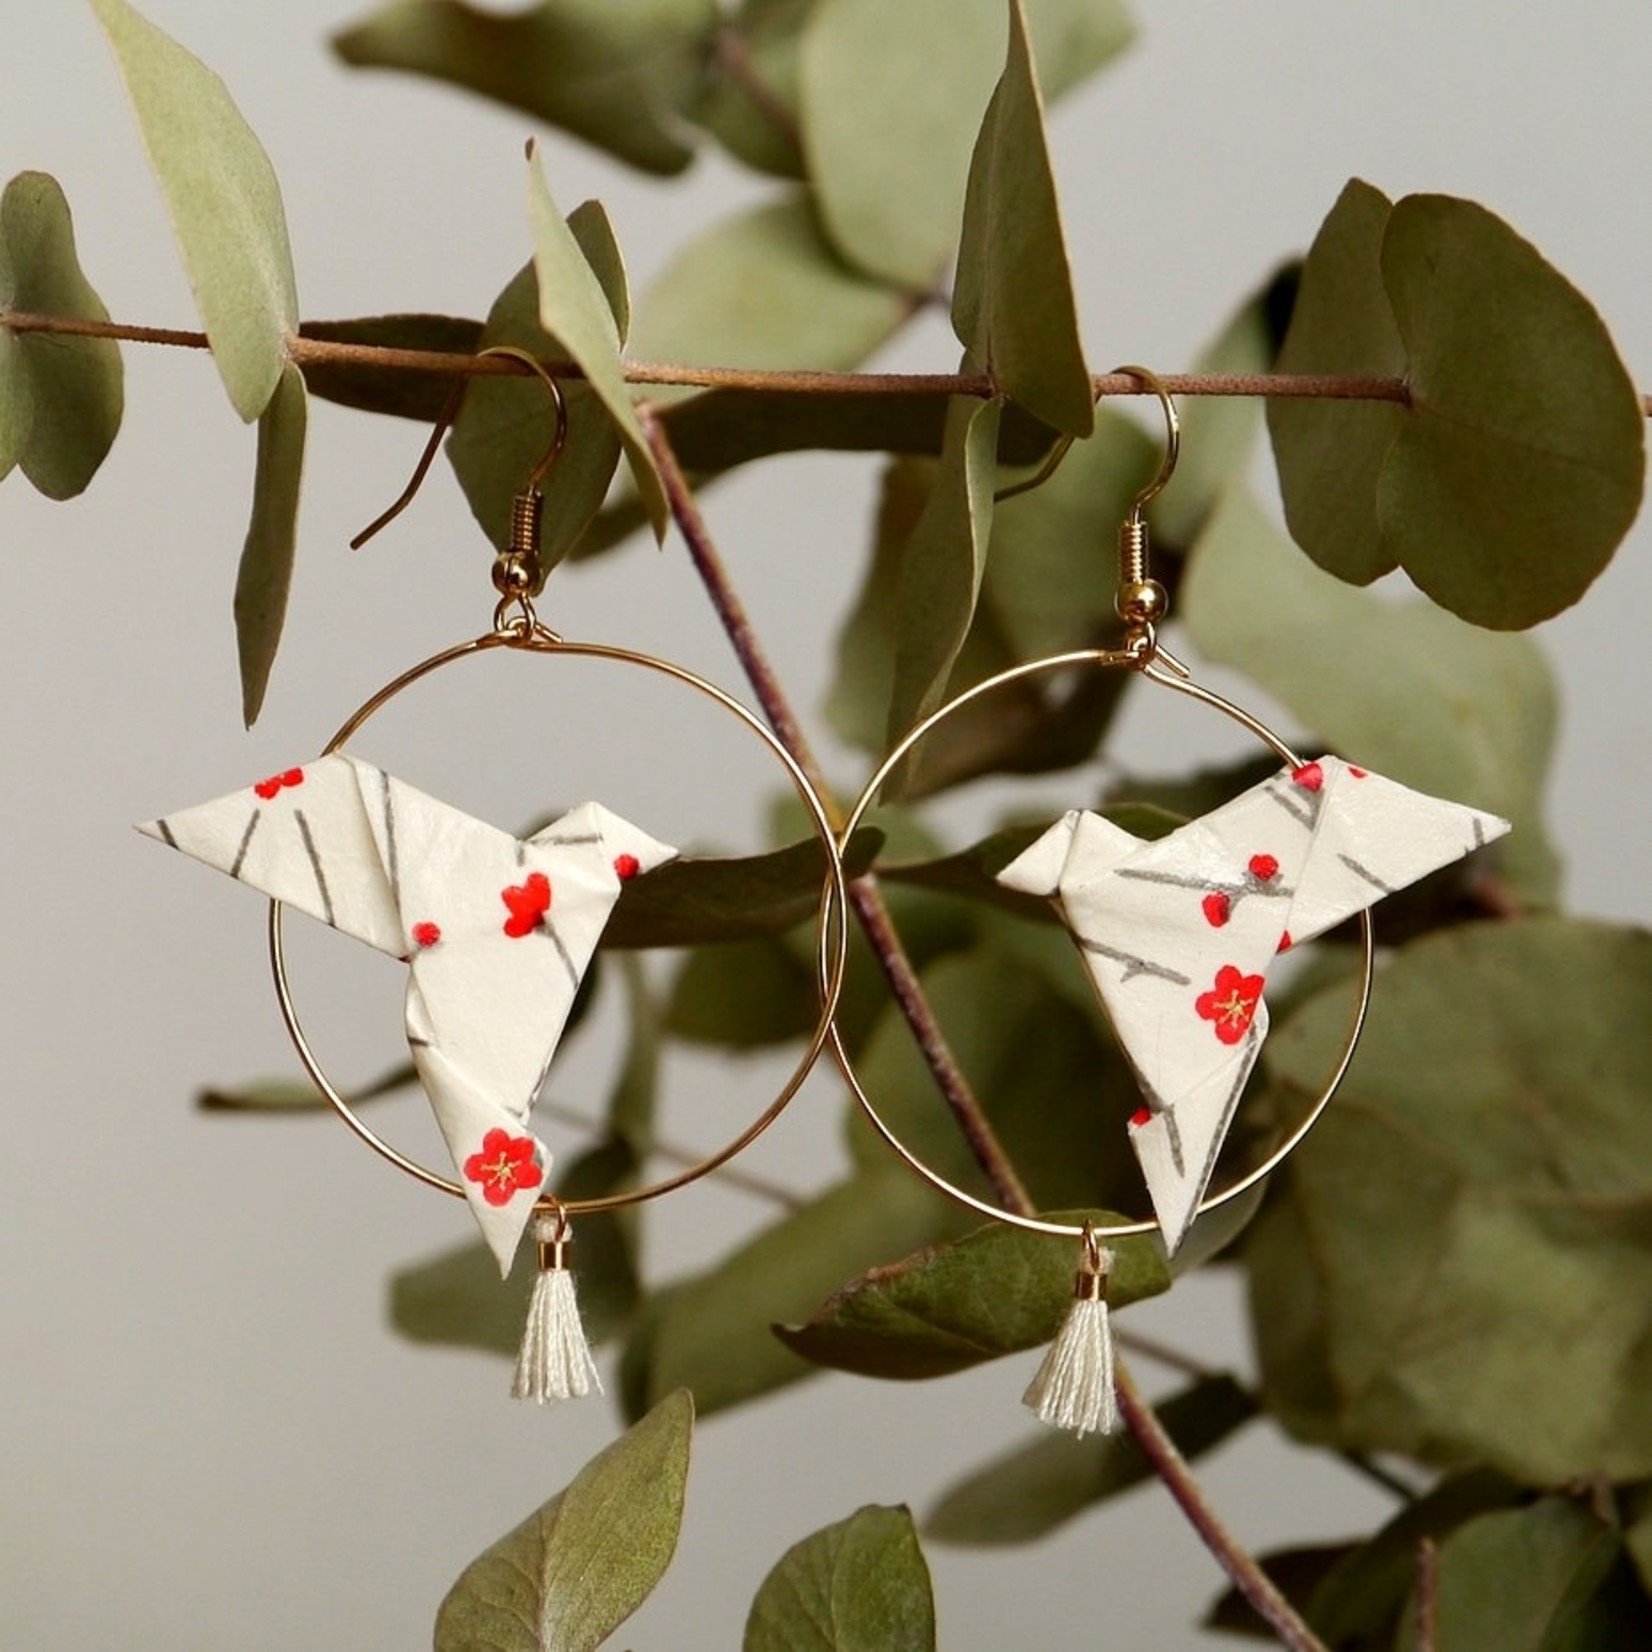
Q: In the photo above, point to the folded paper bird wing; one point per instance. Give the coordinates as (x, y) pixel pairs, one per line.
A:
(1179, 935)
(497, 933)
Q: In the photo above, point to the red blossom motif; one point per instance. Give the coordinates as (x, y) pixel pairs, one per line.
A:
(1139, 1118)
(626, 867)
(267, 789)
(1264, 868)
(1310, 777)
(1217, 906)
(1358, 774)
(1285, 942)
(1231, 1003)
(527, 904)
(426, 934)
(505, 1166)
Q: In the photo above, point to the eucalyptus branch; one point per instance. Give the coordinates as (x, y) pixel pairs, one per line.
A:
(864, 895)
(1269, 386)
(1241, 1566)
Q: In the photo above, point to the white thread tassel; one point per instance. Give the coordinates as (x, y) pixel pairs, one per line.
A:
(555, 1362)
(1074, 1386)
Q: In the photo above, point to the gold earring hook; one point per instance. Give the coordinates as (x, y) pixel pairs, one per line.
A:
(1141, 601)
(444, 422)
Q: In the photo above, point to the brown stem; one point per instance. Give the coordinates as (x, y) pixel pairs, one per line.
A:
(735, 60)
(863, 894)
(1309, 386)
(1427, 1588)
(1242, 1567)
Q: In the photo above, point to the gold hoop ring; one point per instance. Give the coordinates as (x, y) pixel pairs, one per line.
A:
(1140, 655)
(833, 948)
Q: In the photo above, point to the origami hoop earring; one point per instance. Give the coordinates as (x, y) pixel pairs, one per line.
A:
(1178, 936)
(497, 932)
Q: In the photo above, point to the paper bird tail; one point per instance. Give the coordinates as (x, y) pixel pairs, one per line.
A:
(555, 1362)
(1074, 1386)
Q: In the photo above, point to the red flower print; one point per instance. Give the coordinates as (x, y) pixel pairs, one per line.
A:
(527, 904)
(267, 789)
(1216, 907)
(1264, 868)
(1231, 1003)
(426, 934)
(505, 1166)
(1285, 942)
(626, 867)
(1358, 774)
(1139, 1118)
(1310, 777)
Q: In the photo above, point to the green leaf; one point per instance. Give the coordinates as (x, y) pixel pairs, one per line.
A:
(693, 902)
(505, 424)
(1454, 1264)
(1012, 302)
(370, 388)
(997, 1291)
(1508, 482)
(750, 100)
(861, 1585)
(1331, 453)
(1406, 688)
(577, 1568)
(573, 308)
(711, 1333)
(941, 567)
(1528, 1580)
(293, 1095)
(1637, 1536)
(888, 119)
(765, 289)
(744, 995)
(1361, 1598)
(224, 201)
(266, 570)
(1031, 1491)
(60, 397)
(1522, 464)
(618, 76)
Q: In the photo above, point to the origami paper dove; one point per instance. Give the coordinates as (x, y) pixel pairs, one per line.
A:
(497, 933)
(1178, 934)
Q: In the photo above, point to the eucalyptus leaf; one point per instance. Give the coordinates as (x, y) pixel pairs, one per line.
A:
(1637, 1535)
(750, 102)
(1405, 687)
(574, 309)
(1012, 302)
(999, 1290)
(1036, 1488)
(765, 289)
(224, 201)
(941, 568)
(577, 1568)
(395, 392)
(1522, 464)
(61, 397)
(266, 570)
(861, 1585)
(1530, 1580)
(1454, 1265)
(690, 902)
(744, 995)
(505, 425)
(1506, 484)
(297, 1095)
(887, 147)
(1331, 453)
(711, 1334)
(1359, 1601)
(619, 76)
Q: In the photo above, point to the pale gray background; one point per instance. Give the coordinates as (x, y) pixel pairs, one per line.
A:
(207, 1437)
